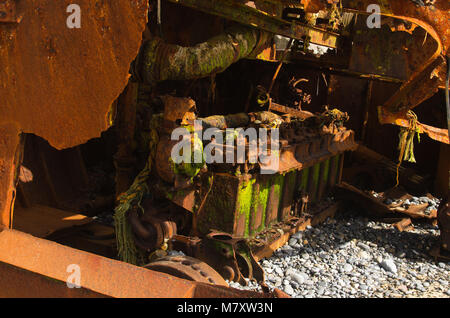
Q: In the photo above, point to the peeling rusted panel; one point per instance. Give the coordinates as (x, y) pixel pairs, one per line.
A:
(9, 141)
(58, 82)
(434, 19)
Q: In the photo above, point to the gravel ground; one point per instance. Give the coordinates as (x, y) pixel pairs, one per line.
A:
(352, 256)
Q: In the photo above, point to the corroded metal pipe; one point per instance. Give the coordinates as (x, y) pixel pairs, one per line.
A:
(226, 121)
(160, 61)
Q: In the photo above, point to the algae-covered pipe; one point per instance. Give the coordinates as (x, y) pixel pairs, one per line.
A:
(160, 61)
(239, 119)
(226, 121)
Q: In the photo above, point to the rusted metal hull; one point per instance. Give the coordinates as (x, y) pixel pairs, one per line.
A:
(76, 73)
(59, 83)
(433, 19)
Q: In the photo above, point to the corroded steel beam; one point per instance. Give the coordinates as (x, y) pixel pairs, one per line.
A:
(434, 133)
(39, 268)
(244, 14)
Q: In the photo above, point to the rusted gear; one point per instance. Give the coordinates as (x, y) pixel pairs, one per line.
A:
(188, 268)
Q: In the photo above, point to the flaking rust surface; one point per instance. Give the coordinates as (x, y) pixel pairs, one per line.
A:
(58, 82)
(9, 140)
(434, 18)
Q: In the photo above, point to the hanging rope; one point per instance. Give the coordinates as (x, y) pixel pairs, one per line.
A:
(132, 198)
(406, 142)
(127, 250)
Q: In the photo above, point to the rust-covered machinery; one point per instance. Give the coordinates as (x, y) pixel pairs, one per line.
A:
(234, 206)
(87, 117)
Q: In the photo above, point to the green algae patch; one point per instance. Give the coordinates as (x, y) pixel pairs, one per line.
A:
(304, 181)
(260, 197)
(276, 195)
(218, 211)
(244, 202)
(315, 179)
(326, 167)
(190, 168)
(263, 198)
(290, 180)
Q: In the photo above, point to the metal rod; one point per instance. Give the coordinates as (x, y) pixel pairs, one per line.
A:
(280, 65)
(366, 110)
(447, 94)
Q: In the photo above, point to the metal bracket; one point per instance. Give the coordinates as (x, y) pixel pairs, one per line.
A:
(8, 12)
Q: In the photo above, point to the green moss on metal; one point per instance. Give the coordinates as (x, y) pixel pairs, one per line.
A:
(291, 177)
(190, 169)
(326, 167)
(218, 211)
(244, 202)
(304, 181)
(381, 54)
(223, 248)
(259, 202)
(278, 182)
(161, 61)
(315, 179)
(263, 198)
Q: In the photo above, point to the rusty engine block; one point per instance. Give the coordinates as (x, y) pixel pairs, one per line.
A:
(232, 203)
